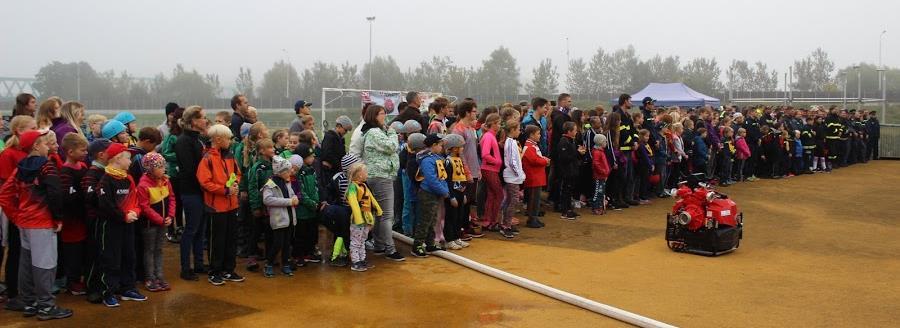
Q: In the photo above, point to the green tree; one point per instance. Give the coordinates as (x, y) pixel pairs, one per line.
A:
(65, 79)
(498, 76)
(275, 82)
(545, 80)
(702, 75)
(430, 75)
(244, 83)
(386, 74)
(665, 69)
(349, 78)
(320, 75)
(578, 78)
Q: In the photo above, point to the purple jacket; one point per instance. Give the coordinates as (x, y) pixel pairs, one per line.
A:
(61, 127)
(712, 136)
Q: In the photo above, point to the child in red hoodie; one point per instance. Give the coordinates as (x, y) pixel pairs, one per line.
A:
(535, 165)
(74, 232)
(32, 201)
(117, 211)
(600, 168)
(157, 202)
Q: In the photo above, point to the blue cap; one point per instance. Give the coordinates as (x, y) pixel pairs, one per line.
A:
(125, 117)
(112, 128)
(300, 104)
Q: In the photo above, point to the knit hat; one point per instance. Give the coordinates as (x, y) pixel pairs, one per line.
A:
(280, 165)
(412, 126)
(115, 149)
(27, 139)
(599, 139)
(348, 160)
(296, 160)
(344, 121)
(97, 146)
(125, 117)
(245, 130)
(397, 126)
(152, 160)
(111, 128)
(432, 139)
(304, 151)
(453, 140)
(736, 115)
(416, 141)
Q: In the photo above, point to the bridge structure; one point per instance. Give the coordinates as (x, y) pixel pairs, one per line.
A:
(10, 87)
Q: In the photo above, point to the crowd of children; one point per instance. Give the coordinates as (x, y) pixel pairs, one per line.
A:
(99, 201)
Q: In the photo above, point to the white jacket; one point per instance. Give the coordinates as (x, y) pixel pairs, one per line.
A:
(513, 173)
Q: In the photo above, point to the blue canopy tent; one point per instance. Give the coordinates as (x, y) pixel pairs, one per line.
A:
(672, 94)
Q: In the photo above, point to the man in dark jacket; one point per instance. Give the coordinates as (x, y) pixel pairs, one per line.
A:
(241, 107)
(333, 148)
(558, 118)
(412, 112)
(627, 144)
(873, 129)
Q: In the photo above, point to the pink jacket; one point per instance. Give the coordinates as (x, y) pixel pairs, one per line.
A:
(156, 212)
(490, 152)
(743, 151)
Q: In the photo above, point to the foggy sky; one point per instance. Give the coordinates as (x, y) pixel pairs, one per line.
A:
(149, 37)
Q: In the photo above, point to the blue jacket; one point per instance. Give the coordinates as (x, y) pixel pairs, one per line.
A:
(431, 181)
(542, 122)
(700, 150)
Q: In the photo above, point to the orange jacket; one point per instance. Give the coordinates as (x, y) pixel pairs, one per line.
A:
(213, 173)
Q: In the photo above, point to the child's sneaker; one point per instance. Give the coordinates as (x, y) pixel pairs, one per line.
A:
(268, 271)
(29, 310)
(111, 301)
(506, 232)
(133, 295)
(252, 266)
(77, 289)
(340, 261)
(53, 312)
(433, 249)
(368, 265)
(152, 286)
(216, 280)
(395, 256)
(233, 277)
(358, 266)
(514, 230)
(418, 251)
(462, 243)
(453, 245)
(314, 258)
(286, 270)
(163, 284)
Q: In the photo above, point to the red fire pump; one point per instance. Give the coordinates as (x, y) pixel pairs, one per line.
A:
(703, 221)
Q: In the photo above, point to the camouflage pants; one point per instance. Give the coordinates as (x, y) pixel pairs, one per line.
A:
(423, 233)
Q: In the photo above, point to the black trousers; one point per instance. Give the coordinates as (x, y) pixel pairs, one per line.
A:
(12, 262)
(73, 255)
(872, 148)
(306, 236)
(455, 217)
(117, 256)
(566, 189)
(92, 256)
(336, 218)
(279, 241)
(222, 242)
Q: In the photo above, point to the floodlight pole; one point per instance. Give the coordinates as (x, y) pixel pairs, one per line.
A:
(371, 20)
(287, 75)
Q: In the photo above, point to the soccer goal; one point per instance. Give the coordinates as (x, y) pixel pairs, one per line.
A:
(338, 101)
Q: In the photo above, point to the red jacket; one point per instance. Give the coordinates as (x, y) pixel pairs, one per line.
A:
(8, 160)
(156, 199)
(535, 165)
(600, 166)
(743, 151)
(32, 198)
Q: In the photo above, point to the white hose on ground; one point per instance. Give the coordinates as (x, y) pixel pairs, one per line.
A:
(587, 304)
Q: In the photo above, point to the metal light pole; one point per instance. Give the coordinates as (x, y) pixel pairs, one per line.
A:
(844, 103)
(859, 85)
(371, 20)
(880, 65)
(882, 81)
(287, 75)
(78, 81)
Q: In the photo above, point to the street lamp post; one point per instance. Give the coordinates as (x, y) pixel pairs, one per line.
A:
(371, 20)
(882, 77)
(859, 86)
(844, 102)
(287, 75)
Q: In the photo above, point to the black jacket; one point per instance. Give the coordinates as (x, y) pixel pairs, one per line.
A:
(569, 158)
(557, 120)
(412, 113)
(628, 135)
(333, 150)
(189, 151)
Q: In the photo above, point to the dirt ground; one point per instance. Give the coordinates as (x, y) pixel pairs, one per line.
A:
(817, 252)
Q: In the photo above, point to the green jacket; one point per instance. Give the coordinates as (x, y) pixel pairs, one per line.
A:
(237, 150)
(167, 148)
(380, 153)
(309, 191)
(259, 173)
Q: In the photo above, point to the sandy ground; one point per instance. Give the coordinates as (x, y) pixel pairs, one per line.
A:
(817, 252)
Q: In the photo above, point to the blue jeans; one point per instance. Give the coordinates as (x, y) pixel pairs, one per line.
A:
(195, 225)
(410, 205)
